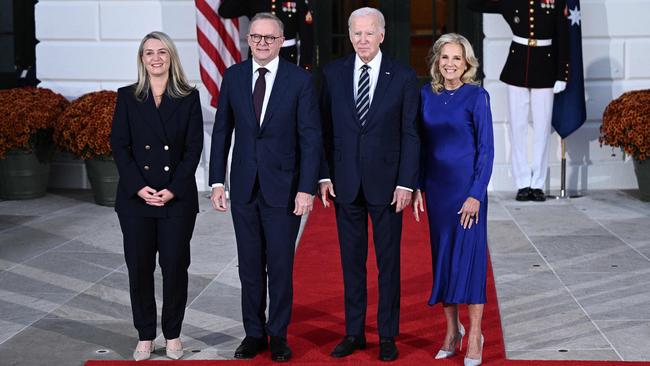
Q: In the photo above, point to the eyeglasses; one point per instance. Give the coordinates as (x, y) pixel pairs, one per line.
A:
(257, 38)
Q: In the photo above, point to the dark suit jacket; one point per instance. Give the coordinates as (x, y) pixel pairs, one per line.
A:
(284, 153)
(527, 66)
(157, 147)
(297, 18)
(385, 152)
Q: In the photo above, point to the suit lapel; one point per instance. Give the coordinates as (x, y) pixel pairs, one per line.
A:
(246, 92)
(383, 81)
(166, 110)
(150, 115)
(348, 81)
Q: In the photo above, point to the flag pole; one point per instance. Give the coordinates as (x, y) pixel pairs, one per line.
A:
(569, 110)
(563, 190)
(563, 170)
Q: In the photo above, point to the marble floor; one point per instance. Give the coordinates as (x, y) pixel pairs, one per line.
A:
(572, 280)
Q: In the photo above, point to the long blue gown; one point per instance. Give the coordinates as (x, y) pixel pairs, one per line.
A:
(456, 163)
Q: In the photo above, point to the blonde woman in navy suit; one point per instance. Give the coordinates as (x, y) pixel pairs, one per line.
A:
(157, 139)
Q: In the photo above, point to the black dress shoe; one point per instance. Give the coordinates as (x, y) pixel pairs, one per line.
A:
(280, 351)
(348, 345)
(250, 347)
(523, 194)
(537, 195)
(387, 349)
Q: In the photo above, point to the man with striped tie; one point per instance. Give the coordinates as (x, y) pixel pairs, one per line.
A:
(369, 106)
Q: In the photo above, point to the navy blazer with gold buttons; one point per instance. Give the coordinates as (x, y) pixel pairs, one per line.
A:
(532, 65)
(157, 147)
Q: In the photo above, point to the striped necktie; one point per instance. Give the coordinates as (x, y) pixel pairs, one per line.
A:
(363, 95)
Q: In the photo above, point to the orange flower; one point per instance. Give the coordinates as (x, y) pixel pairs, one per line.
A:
(27, 117)
(626, 123)
(85, 126)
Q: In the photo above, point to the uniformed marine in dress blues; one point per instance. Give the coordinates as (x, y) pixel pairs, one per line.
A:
(296, 16)
(539, 52)
(537, 67)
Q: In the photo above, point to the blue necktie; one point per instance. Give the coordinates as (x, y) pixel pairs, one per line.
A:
(363, 95)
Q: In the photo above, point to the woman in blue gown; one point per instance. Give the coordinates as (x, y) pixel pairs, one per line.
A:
(456, 164)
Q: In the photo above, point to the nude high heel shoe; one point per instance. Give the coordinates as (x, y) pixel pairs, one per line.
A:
(174, 354)
(474, 362)
(446, 354)
(143, 355)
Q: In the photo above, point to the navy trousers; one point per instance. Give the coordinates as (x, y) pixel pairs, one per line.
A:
(352, 224)
(170, 238)
(266, 238)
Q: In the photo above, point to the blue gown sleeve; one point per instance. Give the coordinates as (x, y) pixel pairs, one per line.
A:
(421, 182)
(482, 118)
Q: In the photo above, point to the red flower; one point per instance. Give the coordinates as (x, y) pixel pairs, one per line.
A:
(85, 126)
(27, 114)
(626, 123)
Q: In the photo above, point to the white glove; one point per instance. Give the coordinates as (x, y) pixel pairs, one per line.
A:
(559, 86)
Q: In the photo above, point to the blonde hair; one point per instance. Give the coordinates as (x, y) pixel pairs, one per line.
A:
(177, 85)
(468, 77)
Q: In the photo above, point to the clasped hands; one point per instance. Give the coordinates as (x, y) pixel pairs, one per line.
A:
(401, 197)
(155, 198)
(468, 212)
(303, 203)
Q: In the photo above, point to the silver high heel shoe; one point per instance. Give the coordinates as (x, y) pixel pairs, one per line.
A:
(143, 355)
(474, 362)
(174, 354)
(446, 354)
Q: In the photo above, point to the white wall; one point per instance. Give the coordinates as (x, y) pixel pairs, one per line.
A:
(91, 45)
(616, 48)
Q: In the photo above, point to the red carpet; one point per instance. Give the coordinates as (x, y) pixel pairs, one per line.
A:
(318, 310)
(318, 316)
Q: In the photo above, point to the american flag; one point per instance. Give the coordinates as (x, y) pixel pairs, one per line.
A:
(218, 45)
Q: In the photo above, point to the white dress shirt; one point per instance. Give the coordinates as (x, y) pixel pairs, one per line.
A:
(373, 73)
(270, 79)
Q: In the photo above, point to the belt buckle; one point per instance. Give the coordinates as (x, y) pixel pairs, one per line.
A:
(532, 42)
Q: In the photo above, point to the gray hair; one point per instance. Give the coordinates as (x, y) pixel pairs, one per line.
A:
(468, 77)
(361, 12)
(177, 85)
(268, 16)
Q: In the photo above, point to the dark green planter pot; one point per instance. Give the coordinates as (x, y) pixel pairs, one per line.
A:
(23, 176)
(642, 170)
(103, 177)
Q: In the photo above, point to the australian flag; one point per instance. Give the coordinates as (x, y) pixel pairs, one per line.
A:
(569, 111)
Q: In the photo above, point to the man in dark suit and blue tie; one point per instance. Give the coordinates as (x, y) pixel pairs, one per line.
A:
(369, 106)
(274, 172)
